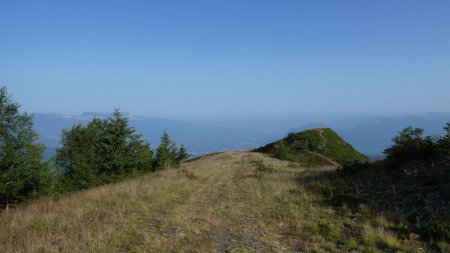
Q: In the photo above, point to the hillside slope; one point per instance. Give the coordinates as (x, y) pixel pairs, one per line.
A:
(226, 202)
(315, 146)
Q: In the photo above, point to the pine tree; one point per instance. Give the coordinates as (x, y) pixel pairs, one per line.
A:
(115, 143)
(102, 152)
(444, 143)
(447, 130)
(22, 172)
(140, 155)
(181, 155)
(165, 153)
(408, 143)
(81, 155)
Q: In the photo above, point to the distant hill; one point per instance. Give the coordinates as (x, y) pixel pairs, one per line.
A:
(317, 146)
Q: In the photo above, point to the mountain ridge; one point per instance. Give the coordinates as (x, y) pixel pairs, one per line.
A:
(368, 134)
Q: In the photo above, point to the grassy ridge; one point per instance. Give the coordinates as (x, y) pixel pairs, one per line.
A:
(314, 147)
(226, 202)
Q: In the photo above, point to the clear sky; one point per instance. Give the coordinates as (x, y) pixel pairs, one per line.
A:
(200, 58)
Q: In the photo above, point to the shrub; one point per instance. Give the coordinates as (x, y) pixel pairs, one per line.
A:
(436, 230)
(282, 153)
(325, 229)
(337, 195)
(261, 167)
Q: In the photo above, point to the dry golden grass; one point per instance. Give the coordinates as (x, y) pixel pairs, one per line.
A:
(213, 204)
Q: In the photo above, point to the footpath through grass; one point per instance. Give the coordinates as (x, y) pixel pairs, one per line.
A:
(226, 202)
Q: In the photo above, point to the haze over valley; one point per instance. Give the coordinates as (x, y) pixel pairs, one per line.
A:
(370, 135)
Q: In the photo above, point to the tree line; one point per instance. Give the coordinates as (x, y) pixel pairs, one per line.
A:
(410, 144)
(100, 152)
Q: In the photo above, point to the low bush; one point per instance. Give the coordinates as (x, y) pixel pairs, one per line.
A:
(261, 167)
(436, 230)
(337, 195)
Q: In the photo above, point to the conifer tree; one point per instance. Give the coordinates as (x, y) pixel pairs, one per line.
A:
(408, 143)
(101, 152)
(115, 143)
(81, 155)
(165, 153)
(140, 154)
(22, 172)
(444, 143)
(181, 155)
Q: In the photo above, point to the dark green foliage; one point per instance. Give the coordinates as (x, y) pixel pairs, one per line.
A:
(436, 230)
(325, 229)
(167, 155)
(115, 145)
(81, 155)
(182, 154)
(409, 144)
(418, 190)
(22, 172)
(105, 151)
(443, 145)
(339, 194)
(261, 167)
(314, 147)
(139, 154)
(102, 151)
(412, 180)
(282, 152)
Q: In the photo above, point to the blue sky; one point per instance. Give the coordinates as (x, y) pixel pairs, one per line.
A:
(230, 58)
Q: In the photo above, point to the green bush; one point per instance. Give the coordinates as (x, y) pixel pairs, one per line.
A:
(337, 195)
(325, 229)
(282, 152)
(261, 167)
(436, 230)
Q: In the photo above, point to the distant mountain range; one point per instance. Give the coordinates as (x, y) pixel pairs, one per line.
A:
(369, 135)
(198, 138)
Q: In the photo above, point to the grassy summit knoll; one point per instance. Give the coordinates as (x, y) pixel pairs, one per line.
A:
(318, 146)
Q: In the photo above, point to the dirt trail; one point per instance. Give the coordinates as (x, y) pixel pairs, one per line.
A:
(218, 215)
(324, 144)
